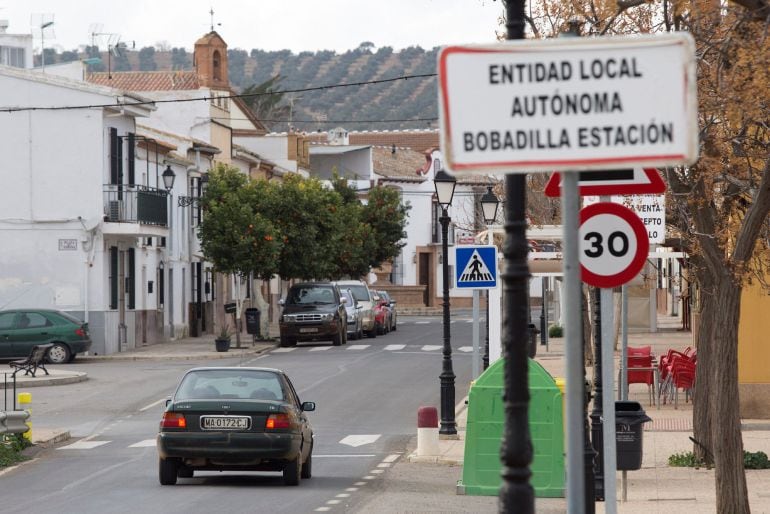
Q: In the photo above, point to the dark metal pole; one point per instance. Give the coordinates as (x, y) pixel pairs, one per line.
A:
(486, 338)
(597, 436)
(448, 425)
(588, 451)
(516, 493)
(543, 309)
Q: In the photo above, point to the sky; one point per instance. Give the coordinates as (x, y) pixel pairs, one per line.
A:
(299, 25)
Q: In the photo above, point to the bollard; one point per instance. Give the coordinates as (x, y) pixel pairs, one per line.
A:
(25, 403)
(427, 431)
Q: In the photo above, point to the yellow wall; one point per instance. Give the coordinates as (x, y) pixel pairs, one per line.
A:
(753, 330)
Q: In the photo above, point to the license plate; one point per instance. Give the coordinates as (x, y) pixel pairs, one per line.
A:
(308, 330)
(225, 422)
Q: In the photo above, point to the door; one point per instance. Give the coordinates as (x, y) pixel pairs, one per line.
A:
(6, 333)
(31, 328)
(424, 277)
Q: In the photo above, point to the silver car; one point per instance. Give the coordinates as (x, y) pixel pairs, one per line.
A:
(353, 308)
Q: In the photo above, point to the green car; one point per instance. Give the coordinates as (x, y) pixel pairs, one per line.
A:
(235, 419)
(21, 329)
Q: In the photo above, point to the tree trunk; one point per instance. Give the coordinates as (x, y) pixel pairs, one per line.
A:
(703, 444)
(731, 490)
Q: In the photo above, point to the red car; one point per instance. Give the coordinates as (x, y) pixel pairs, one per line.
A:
(382, 314)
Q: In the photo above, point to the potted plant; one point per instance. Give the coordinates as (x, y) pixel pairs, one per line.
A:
(222, 341)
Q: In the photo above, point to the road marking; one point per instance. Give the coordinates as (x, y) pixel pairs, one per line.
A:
(465, 349)
(359, 484)
(392, 347)
(351, 489)
(83, 445)
(383, 465)
(283, 350)
(421, 322)
(342, 495)
(144, 444)
(334, 502)
(377, 471)
(369, 477)
(320, 348)
(359, 440)
(431, 347)
(343, 455)
(358, 347)
(153, 404)
(323, 509)
(391, 458)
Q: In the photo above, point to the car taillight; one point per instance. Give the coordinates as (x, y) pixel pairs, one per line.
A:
(275, 421)
(173, 420)
(80, 332)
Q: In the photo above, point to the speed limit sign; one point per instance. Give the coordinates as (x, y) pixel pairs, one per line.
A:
(613, 244)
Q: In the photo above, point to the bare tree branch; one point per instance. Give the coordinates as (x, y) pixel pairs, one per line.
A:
(755, 218)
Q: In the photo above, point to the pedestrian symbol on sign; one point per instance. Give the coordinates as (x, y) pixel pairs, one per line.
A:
(476, 267)
(476, 270)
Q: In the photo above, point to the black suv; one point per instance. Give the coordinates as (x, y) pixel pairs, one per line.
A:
(313, 311)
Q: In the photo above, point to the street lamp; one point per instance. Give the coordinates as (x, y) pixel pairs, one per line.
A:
(489, 206)
(168, 178)
(445, 190)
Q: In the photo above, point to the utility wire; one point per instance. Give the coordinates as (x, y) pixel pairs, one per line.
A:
(208, 98)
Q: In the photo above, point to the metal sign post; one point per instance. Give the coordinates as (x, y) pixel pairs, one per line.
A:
(476, 354)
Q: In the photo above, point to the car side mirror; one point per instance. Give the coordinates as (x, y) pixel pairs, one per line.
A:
(308, 406)
(281, 302)
(344, 300)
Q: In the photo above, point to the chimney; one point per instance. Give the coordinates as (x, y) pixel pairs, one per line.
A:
(3, 26)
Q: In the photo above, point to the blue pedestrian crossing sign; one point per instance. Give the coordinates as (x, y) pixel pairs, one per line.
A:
(476, 267)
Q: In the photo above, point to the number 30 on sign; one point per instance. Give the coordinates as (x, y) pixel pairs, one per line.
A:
(613, 244)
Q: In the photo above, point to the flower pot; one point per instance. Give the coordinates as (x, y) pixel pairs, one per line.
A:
(222, 345)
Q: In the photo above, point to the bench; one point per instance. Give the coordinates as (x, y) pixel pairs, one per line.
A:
(35, 359)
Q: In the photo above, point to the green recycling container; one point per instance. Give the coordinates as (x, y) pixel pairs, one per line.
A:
(484, 430)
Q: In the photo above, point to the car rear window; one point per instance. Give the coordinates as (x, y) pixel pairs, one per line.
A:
(230, 384)
(56, 316)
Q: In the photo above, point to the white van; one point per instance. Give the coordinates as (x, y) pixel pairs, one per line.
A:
(363, 296)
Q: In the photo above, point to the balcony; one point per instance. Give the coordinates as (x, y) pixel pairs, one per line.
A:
(436, 233)
(135, 210)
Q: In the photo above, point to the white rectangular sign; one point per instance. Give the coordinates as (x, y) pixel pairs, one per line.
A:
(651, 209)
(569, 104)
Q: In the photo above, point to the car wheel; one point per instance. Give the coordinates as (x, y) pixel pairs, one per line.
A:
(167, 471)
(344, 336)
(372, 333)
(185, 472)
(360, 333)
(59, 353)
(395, 324)
(291, 472)
(307, 467)
(354, 335)
(286, 342)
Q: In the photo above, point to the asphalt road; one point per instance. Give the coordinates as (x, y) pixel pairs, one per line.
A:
(367, 395)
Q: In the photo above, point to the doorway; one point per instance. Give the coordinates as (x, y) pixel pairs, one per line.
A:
(425, 274)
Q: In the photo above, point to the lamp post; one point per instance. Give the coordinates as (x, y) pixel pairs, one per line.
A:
(445, 190)
(489, 206)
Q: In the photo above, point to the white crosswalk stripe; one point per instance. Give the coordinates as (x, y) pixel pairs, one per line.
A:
(358, 347)
(431, 347)
(143, 444)
(83, 445)
(421, 322)
(283, 350)
(320, 348)
(395, 347)
(465, 349)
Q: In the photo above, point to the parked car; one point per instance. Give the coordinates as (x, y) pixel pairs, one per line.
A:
(313, 311)
(235, 419)
(363, 296)
(381, 314)
(21, 329)
(353, 308)
(392, 306)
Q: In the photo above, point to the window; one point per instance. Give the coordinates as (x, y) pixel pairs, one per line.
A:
(33, 320)
(130, 278)
(6, 320)
(216, 62)
(11, 56)
(113, 277)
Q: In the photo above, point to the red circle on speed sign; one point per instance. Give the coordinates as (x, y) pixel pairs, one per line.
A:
(613, 244)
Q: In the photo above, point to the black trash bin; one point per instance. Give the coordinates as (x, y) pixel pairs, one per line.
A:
(252, 320)
(629, 423)
(533, 332)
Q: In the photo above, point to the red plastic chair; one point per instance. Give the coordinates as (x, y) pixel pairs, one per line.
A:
(639, 351)
(643, 376)
(680, 374)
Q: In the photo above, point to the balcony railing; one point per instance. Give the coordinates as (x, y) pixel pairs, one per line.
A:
(135, 204)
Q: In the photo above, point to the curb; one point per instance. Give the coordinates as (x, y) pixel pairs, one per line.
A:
(72, 378)
(129, 356)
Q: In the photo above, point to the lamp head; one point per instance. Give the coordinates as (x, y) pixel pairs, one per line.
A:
(489, 205)
(168, 178)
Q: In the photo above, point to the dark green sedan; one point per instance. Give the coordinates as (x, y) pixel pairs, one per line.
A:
(21, 329)
(235, 419)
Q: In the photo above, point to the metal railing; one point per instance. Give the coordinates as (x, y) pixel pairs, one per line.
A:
(135, 204)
